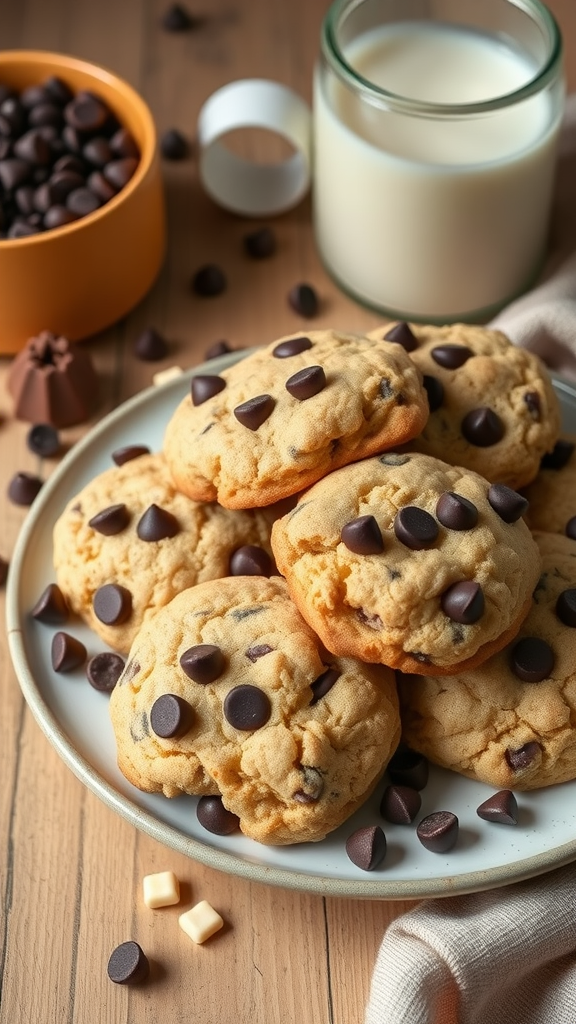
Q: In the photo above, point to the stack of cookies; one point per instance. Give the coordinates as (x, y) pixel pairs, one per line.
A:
(330, 509)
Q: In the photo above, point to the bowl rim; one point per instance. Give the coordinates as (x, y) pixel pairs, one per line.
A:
(51, 59)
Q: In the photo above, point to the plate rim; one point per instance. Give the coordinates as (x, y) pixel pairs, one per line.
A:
(168, 835)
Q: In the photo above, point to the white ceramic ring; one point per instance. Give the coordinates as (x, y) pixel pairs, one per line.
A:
(239, 185)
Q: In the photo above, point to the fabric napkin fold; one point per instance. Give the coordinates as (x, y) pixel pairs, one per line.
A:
(507, 956)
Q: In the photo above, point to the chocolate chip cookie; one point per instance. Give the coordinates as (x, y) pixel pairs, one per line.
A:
(405, 560)
(228, 690)
(492, 404)
(512, 721)
(289, 413)
(552, 495)
(129, 542)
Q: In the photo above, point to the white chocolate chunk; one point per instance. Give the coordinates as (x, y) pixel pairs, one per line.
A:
(161, 889)
(201, 922)
(163, 376)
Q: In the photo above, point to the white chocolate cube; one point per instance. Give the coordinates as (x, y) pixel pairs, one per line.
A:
(201, 922)
(161, 889)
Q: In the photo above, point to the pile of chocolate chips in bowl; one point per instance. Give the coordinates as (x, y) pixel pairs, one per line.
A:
(62, 156)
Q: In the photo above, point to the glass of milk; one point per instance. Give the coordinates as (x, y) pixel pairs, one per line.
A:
(435, 130)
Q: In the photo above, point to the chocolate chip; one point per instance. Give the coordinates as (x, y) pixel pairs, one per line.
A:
(291, 347)
(393, 459)
(312, 786)
(215, 818)
(203, 663)
(532, 659)
(128, 964)
(129, 452)
(157, 523)
(260, 244)
(451, 356)
(482, 427)
(407, 768)
(255, 411)
(366, 847)
(111, 520)
(400, 804)
(204, 386)
(173, 145)
(119, 172)
(176, 19)
(112, 604)
(247, 707)
(438, 832)
(250, 560)
(13, 172)
(67, 652)
(324, 683)
(570, 528)
(218, 348)
(303, 300)
(58, 216)
(51, 606)
(97, 183)
(456, 512)
(559, 456)
(33, 147)
(363, 536)
(435, 391)
(509, 505)
(306, 383)
(463, 602)
(532, 400)
(522, 758)
(502, 808)
(104, 670)
(122, 143)
(415, 527)
(150, 345)
(23, 488)
(209, 281)
(373, 621)
(44, 440)
(566, 607)
(86, 113)
(171, 716)
(258, 651)
(402, 335)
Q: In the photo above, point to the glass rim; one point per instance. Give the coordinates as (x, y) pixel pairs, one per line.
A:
(377, 96)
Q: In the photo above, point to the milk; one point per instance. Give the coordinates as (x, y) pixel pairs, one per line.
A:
(433, 218)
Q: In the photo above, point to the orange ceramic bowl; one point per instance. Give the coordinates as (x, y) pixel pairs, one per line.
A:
(76, 280)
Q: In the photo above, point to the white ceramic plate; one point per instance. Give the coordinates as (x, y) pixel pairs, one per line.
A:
(74, 717)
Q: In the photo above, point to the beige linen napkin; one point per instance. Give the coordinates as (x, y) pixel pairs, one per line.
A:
(507, 956)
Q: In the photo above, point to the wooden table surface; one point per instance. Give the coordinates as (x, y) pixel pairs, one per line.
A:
(70, 869)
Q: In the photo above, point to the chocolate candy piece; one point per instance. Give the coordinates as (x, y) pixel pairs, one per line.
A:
(292, 347)
(33, 147)
(209, 280)
(400, 804)
(97, 151)
(532, 399)
(129, 452)
(402, 335)
(306, 383)
(570, 528)
(313, 781)
(509, 505)
(255, 411)
(438, 832)
(58, 216)
(150, 345)
(112, 604)
(43, 440)
(176, 19)
(532, 659)
(260, 244)
(157, 523)
(51, 606)
(218, 348)
(83, 201)
(128, 964)
(250, 560)
(324, 683)
(366, 847)
(247, 707)
(482, 427)
(408, 768)
(363, 536)
(203, 663)
(23, 488)
(171, 716)
(415, 527)
(215, 818)
(104, 670)
(53, 381)
(451, 356)
(566, 607)
(463, 602)
(559, 456)
(204, 386)
(67, 652)
(303, 300)
(103, 189)
(86, 113)
(456, 512)
(258, 651)
(13, 172)
(111, 520)
(435, 391)
(173, 145)
(119, 172)
(523, 757)
(501, 808)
